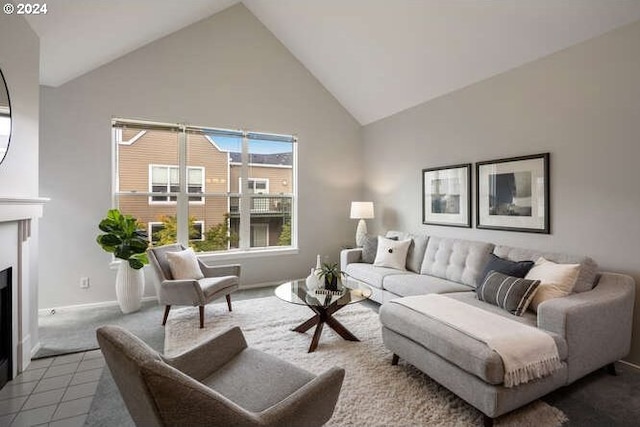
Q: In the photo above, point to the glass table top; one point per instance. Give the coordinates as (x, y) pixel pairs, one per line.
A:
(297, 292)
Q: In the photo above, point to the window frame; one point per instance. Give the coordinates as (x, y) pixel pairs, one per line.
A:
(182, 203)
(169, 194)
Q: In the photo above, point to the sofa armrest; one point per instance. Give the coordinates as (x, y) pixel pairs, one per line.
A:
(595, 324)
(349, 256)
(202, 359)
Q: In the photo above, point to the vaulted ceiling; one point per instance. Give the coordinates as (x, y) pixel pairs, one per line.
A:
(377, 57)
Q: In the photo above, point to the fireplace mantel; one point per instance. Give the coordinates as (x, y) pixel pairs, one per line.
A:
(20, 208)
(16, 217)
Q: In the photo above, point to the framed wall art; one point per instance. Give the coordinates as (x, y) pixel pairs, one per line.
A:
(446, 196)
(513, 194)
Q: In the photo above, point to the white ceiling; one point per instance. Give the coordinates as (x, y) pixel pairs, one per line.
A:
(377, 57)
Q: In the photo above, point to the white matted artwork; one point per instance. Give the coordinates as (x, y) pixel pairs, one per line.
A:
(446, 196)
(513, 194)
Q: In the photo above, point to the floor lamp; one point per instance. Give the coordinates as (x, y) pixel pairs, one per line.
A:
(361, 211)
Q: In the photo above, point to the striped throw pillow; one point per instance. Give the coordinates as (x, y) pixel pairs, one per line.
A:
(510, 293)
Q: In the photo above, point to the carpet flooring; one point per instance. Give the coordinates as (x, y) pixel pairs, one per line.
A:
(597, 400)
(374, 392)
(71, 330)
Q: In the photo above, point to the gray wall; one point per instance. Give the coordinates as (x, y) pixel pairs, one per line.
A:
(19, 61)
(225, 71)
(582, 105)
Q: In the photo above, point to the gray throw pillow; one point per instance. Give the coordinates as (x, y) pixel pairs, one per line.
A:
(513, 294)
(370, 248)
(505, 266)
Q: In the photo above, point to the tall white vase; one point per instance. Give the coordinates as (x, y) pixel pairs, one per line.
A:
(129, 287)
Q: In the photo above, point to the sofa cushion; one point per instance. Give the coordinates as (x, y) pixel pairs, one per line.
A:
(392, 253)
(370, 248)
(513, 294)
(506, 266)
(588, 268)
(459, 260)
(556, 280)
(370, 274)
(406, 285)
(447, 342)
(416, 251)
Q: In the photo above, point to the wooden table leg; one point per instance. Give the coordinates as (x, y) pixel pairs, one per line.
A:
(316, 337)
(340, 329)
(304, 327)
(324, 315)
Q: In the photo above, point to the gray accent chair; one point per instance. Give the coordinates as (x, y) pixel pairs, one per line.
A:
(217, 281)
(220, 382)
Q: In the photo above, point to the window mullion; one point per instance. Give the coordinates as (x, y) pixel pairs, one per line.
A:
(245, 197)
(182, 208)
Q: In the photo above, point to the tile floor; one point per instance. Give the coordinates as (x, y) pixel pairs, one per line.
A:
(53, 392)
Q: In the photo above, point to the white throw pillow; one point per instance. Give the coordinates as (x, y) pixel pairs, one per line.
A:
(392, 253)
(184, 265)
(556, 280)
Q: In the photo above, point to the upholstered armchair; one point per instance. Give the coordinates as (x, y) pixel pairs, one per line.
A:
(217, 281)
(220, 382)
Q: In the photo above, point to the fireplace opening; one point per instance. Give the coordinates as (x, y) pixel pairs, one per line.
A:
(5, 327)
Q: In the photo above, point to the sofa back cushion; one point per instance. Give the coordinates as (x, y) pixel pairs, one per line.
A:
(458, 260)
(588, 268)
(416, 249)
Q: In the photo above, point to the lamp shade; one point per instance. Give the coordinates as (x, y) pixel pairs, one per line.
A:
(362, 210)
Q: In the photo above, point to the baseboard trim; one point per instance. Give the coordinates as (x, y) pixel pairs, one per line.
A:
(46, 311)
(631, 365)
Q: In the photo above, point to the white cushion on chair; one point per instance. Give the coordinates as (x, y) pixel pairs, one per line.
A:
(184, 265)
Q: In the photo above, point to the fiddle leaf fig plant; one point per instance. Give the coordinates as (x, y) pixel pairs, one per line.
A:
(124, 239)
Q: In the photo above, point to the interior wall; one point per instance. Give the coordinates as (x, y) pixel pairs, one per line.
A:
(19, 61)
(225, 71)
(581, 105)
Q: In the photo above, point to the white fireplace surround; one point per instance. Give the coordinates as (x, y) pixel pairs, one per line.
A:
(16, 216)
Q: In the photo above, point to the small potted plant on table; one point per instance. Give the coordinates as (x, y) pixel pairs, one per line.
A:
(330, 274)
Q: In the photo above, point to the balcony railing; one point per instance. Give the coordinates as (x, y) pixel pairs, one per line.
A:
(263, 205)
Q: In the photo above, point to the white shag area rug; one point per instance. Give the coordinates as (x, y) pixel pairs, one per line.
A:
(374, 392)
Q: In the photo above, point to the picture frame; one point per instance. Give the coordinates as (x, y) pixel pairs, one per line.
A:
(446, 196)
(513, 194)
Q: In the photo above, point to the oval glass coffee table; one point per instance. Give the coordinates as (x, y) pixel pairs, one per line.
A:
(323, 305)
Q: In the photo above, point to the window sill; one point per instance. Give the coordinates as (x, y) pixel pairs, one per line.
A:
(255, 253)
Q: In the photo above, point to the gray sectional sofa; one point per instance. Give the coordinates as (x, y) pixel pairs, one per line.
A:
(591, 327)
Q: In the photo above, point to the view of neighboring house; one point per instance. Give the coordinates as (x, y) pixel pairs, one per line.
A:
(148, 186)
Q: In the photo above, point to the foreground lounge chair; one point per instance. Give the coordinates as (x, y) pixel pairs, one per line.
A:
(220, 382)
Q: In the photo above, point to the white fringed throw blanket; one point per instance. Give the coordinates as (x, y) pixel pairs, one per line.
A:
(527, 353)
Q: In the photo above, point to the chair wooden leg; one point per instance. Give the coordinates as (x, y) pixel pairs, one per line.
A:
(487, 420)
(229, 301)
(395, 359)
(201, 309)
(611, 369)
(166, 314)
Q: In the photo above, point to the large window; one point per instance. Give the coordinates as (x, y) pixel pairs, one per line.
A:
(216, 190)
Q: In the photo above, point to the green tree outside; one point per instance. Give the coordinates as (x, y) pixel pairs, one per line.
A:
(285, 235)
(216, 238)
